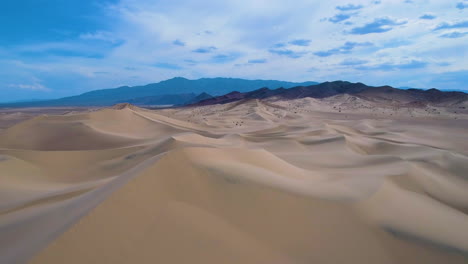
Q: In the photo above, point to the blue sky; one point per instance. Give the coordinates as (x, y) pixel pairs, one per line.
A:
(55, 48)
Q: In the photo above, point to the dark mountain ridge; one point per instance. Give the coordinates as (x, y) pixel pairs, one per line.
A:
(328, 89)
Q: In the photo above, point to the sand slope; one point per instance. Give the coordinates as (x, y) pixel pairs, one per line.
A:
(248, 182)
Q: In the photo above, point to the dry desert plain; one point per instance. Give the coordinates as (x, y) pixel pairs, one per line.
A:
(299, 181)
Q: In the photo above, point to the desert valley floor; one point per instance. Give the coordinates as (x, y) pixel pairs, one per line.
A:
(300, 181)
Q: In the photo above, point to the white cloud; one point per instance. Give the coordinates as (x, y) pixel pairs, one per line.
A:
(100, 35)
(32, 87)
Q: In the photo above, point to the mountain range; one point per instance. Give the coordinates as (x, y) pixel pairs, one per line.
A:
(382, 94)
(174, 91)
(180, 91)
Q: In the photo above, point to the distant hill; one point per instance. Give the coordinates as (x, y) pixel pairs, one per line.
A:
(168, 88)
(198, 98)
(167, 99)
(382, 94)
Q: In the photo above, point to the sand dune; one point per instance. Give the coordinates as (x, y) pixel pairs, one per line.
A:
(294, 181)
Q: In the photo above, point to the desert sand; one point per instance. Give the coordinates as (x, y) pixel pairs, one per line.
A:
(300, 181)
